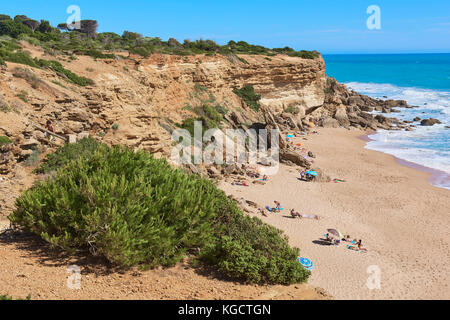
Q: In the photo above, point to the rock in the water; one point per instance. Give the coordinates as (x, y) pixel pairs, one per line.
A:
(429, 122)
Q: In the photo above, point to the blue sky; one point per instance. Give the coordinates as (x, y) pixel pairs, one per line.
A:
(330, 26)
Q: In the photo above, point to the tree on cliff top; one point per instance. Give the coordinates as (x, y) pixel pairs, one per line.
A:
(88, 27)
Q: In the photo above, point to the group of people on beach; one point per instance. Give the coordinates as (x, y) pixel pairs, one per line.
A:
(355, 244)
(307, 176)
(254, 174)
(294, 214)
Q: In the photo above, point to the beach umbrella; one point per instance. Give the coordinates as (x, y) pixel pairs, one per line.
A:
(306, 263)
(335, 233)
(290, 136)
(312, 173)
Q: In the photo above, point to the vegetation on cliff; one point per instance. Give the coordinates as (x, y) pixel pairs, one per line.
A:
(247, 93)
(133, 209)
(86, 41)
(4, 140)
(11, 51)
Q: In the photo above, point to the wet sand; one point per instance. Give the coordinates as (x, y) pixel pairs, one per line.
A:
(401, 218)
(437, 178)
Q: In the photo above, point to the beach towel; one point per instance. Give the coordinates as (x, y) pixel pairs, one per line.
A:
(271, 209)
(308, 216)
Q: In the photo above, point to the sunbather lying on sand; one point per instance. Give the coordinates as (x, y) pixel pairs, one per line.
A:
(357, 247)
(240, 183)
(252, 174)
(347, 238)
(337, 180)
(295, 214)
(329, 238)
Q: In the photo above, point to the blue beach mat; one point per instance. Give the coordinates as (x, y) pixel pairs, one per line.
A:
(271, 210)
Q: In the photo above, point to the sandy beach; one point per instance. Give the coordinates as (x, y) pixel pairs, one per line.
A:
(401, 218)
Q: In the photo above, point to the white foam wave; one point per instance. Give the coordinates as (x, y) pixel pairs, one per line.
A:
(427, 146)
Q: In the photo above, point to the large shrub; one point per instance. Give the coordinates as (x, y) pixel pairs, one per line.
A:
(251, 250)
(135, 210)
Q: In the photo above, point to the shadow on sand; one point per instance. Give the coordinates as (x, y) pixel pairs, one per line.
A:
(322, 242)
(34, 247)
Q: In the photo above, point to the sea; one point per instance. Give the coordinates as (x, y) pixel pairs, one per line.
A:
(423, 80)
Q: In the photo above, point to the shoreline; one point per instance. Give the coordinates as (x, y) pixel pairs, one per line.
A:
(382, 202)
(436, 177)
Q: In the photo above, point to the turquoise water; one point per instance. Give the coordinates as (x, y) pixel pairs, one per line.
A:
(422, 80)
(427, 71)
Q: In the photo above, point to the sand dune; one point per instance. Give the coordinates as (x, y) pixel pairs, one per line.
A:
(402, 220)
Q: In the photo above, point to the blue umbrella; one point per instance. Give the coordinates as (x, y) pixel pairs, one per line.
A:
(306, 263)
(313, 173)
(290, 136)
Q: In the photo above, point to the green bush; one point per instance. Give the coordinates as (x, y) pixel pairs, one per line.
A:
(70, 152)
(209, 112)
(98, 54)
(18, 56)
(247, 93)
(247, 248)
(125, 206)
(133, 209)
(69, 75)
(13, 28)
(4, 140)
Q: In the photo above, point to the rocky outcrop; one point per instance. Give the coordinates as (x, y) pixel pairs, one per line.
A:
(295, 158)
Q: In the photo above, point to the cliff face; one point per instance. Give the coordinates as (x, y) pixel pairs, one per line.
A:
(282, 81)
(141, 95)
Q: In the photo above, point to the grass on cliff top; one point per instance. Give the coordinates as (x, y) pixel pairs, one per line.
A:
(134, 210)
(10, 51)
(87, 41)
